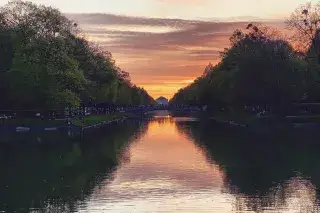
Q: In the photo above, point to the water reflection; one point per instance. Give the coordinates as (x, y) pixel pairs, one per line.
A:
(166, 164)
(271, 173)
(166, 173)
(58, 176)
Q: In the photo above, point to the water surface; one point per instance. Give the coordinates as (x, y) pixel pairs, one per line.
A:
(164, 164)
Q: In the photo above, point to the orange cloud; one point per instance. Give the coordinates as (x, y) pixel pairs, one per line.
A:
(184, 1)
(161, 55)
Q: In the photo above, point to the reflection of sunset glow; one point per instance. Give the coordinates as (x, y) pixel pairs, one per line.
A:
(167, 172)
(143, 185)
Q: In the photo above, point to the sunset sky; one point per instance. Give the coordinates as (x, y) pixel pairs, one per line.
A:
(165, 44)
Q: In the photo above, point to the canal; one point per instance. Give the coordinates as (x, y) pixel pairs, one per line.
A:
(167, 163)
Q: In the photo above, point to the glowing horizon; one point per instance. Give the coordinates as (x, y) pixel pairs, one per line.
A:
(163, 44)
(161, 55)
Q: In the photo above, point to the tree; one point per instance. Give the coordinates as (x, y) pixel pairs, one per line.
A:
(263, 71)
(6, 50)
(305, 22)
(52, 66)
(257, 70)
(37, 20)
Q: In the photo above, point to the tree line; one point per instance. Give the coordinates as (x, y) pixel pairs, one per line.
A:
(46, 63)
(263, 69)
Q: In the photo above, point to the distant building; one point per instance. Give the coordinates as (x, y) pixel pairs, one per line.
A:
(162, 101)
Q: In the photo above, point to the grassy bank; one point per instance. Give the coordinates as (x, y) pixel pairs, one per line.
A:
(253, 120)
(96, 119)
(87, 121)
(239, 118)
(33, 122)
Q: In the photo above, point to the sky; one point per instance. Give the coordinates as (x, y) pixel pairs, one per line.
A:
(166, 44)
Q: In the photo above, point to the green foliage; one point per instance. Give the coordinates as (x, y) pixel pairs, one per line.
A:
(5, 50)
(52, 66)
(257, 70)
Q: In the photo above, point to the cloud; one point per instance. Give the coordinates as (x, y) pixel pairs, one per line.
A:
(154, 49)
(111, 19)
(184, 1)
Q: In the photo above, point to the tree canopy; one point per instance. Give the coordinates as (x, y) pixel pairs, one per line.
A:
(259, 69)
(46, 63)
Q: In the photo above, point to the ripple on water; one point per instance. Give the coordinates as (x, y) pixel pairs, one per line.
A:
(153, 167)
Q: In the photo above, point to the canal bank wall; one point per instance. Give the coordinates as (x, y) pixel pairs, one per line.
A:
(266, 126)
(229, 122)
(71, 126)
(100, 124)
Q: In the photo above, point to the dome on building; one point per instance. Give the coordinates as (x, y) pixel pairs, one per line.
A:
(162, 100)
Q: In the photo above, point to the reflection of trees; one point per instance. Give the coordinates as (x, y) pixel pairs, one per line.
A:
(182, 113)
(56, 176)
(254, 163)
(295, 195)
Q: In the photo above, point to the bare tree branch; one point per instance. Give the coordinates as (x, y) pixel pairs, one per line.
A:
(304, 22)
